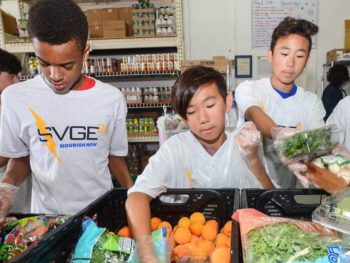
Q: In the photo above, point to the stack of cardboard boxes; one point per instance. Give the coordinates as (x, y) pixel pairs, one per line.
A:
(9, 23)
(109, 22)
(341, 54)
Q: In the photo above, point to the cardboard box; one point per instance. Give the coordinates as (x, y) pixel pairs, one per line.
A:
(219, 63)
(110, 14)
(114, 29)
(9, 24)
(95, 17)
(332, 55)
(125, 13)
(96, 31)
(347, 35)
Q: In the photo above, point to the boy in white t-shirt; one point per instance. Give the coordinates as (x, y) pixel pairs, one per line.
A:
(277, 101)
(72, 127)
(204, 157)
(10, 69)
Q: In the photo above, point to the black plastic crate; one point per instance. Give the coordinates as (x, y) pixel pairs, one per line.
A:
(216, 204)
(44, 250)
(290, 203)
(109, 210)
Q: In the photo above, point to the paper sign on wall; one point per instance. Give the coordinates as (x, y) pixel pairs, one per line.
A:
(268, 13)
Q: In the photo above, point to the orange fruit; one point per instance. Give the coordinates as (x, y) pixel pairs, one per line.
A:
(155, 221)
(197, 217)
(220, 255)
(184, 222)
(194, 238)
(168, 227)
(196, 228)
(181, 251)
(207, 245)
(209, 232)
(182, 235)
(198, 251)
(124, 232)
(227, 229)
(221, 240)
(213, 222)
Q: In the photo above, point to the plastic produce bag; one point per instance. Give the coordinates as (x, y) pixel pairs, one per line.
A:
(334, 212)
(17, 235)
(169, 125)
(278, 239)
(96, 245)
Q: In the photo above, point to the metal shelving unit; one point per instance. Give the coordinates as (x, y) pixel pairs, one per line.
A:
(20, 46)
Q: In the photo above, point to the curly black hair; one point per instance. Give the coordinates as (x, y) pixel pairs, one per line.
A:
(190, 81)
(291, 25)
(9, 63)
(338, 74)
(57, 22)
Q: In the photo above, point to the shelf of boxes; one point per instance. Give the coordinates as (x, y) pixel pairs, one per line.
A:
(20, 45)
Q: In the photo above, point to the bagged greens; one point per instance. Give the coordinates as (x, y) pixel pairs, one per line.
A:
(308, 144)
(267, 239)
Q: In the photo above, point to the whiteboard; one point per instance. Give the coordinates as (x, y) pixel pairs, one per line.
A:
(266, 15)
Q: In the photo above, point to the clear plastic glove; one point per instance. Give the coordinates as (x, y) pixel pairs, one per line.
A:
(144, 251)
(7, 197)
(249, 140)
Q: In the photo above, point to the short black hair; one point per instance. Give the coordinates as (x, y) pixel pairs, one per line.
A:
(9, 63)
(57, 22)
(290, 25)
(190, 81)
(338, 74)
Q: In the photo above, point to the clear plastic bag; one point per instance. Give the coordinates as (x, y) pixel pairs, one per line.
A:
(168, 125)
(278, 239)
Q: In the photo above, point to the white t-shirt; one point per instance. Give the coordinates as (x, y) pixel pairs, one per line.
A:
(24, 193)
(304, 109)
(68, 137)
(182, 157)
(341, 118)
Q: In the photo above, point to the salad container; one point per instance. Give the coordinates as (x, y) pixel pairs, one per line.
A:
(334, 212)
(309, 144)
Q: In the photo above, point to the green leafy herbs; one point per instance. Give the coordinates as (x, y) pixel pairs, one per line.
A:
(307, 142)
(277, 243)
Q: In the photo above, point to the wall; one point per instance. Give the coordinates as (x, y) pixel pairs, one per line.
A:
(228, 31)
(223, 27)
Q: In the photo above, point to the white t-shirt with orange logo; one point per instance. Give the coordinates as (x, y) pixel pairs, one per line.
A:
(304, 109)
(182, 162)
(69, 138)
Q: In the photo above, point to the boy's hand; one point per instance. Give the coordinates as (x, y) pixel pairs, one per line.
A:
(248, 140)
(7, 197)
(145, 250)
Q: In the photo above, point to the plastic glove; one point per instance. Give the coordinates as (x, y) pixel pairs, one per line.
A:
(144, 251)
(249, 140)
(7, 197)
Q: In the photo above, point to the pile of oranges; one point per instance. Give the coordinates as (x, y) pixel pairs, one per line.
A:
(198, 239)
(194, 238)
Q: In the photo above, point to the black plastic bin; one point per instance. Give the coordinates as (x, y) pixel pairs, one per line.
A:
(109, 210)
(290, 203)
(45, 250)
(216, 204)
